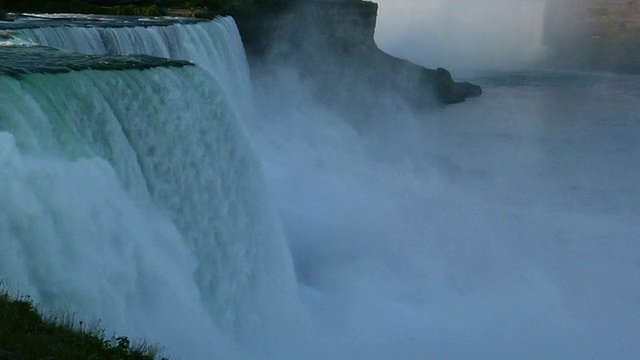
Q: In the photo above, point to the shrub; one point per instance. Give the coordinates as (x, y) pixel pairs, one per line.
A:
(26, 334)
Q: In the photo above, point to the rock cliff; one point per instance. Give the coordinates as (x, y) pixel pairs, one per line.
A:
(333, 42)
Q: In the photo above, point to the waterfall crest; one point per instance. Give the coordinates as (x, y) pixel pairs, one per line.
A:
(214, 45)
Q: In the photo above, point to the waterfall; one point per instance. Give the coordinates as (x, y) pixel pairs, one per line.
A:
(214, 45)
(133, 197)
(505, 227)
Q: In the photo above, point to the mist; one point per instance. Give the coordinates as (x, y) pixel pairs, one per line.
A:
(352, 223)
(503, 227)
(451, 235)
(464, 36)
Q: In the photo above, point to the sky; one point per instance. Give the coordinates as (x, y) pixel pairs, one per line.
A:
(465, 36)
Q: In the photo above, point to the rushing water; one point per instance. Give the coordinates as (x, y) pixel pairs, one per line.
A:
(134, 197)
(170, 205)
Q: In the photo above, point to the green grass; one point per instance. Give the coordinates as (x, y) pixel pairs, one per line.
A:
(26, 333)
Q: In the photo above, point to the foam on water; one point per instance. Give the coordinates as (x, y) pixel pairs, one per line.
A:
(214, 45)
(134, 198)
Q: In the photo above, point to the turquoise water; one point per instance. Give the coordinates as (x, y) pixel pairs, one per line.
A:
(134, 197)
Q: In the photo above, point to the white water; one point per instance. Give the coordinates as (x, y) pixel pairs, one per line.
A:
(214, 46)
(133, 197)
(505, 227)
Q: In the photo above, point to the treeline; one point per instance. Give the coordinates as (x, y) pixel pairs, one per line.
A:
(115, 7)
(206, 8)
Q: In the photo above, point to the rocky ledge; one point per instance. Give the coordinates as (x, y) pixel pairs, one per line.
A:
(333, 42)
(27, 21)
(17, 60)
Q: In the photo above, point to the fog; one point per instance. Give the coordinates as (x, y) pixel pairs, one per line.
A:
(468, 233)
(463, 35)
(503, 227)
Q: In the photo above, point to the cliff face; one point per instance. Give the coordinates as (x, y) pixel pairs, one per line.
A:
(333, 43)
(349, 23)
(595, 34)
(327, 23)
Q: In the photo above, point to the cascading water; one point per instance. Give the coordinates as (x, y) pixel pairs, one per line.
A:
(133, 197)
(213, 45)
(505, 227)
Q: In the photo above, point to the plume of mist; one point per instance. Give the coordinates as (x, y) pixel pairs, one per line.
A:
(464, 36)
(444, 233)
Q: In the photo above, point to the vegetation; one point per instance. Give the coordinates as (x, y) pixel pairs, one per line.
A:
(203, 8)
(26, 334)
(84, 7)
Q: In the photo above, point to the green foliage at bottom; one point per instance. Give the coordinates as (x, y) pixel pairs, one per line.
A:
(26, 334)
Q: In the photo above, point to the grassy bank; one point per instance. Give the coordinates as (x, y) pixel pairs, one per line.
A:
(26, 334)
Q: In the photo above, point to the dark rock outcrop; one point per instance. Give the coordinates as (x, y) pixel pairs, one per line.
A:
(333, 43)
(18, 60)
(451, 92)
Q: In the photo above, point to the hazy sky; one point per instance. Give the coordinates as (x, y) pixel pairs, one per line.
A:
(463, 35)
